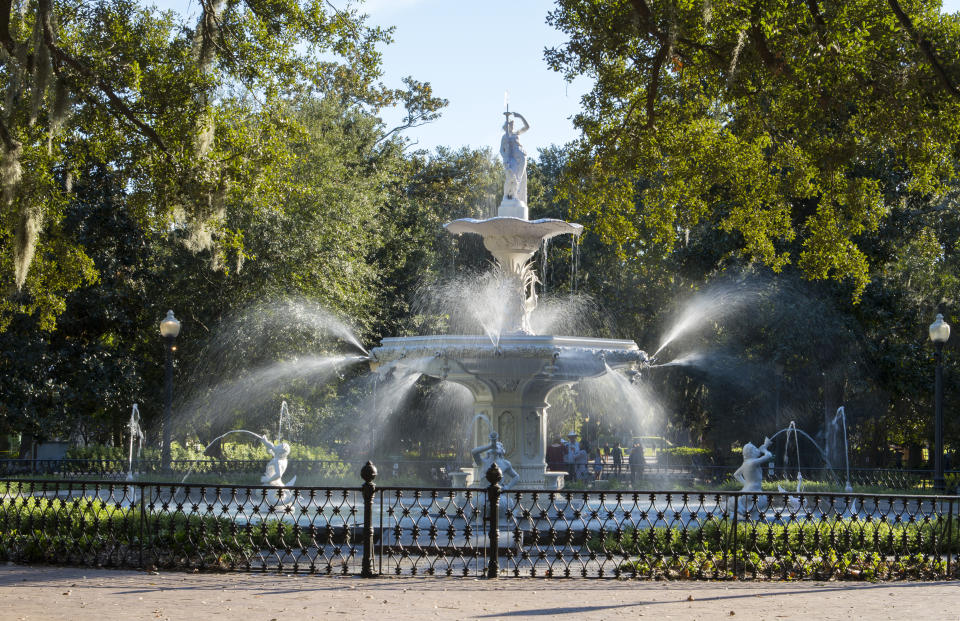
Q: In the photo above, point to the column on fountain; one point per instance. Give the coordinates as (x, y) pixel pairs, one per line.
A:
(517, 411)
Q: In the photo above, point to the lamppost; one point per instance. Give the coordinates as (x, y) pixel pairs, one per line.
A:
(939, 333)
(169, 329)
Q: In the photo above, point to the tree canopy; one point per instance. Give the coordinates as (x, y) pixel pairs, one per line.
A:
(189, 118)
(770, 120)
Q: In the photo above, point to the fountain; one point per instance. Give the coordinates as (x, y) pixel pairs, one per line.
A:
(135, 433)
(511, 371)
(278, 450)
(841, 418)
(796, 432)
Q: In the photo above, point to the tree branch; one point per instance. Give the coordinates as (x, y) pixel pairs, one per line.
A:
(926, 47)
(817, 18)
(645, 16)
(771, 60)
(117, 104)
(655, 82)
(6, 39)
(9, 142)
(815, 12)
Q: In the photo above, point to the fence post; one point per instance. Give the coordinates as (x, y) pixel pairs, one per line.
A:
(736, 513)
(494, 476)
(143, 517)
(949, 537)
(368, 473)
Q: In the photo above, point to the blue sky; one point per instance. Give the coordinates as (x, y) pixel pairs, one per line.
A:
(471, 52)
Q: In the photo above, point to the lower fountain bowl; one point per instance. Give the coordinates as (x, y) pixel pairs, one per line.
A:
(519, 357)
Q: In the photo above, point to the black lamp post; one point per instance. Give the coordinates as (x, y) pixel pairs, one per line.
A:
(939, 333)
(169, 329)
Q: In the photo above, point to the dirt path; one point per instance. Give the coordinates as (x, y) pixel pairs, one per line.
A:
(30, 593)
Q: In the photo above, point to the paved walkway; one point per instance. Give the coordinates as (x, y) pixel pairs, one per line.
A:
(28, 593)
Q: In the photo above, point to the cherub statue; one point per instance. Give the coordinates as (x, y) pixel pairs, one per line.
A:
(495, 453)
(273, 475)
(750, 475)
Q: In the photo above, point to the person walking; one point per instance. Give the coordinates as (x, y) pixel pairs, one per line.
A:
(636, 462)
(617, 459)
(597, 465)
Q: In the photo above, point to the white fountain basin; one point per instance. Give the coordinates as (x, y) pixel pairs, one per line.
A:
(518, 357)
(510, 380)
(512, 241)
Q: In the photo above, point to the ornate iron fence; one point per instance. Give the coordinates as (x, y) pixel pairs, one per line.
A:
(435, 472)
(373, 530)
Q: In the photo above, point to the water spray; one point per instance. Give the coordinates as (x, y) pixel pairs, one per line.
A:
(135, 432)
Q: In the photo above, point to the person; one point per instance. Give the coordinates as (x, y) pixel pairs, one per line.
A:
(637, 462)
(617, 459)
(555, 454)
(597, 465)
(570, 456)
(581, 464)
(514, 159)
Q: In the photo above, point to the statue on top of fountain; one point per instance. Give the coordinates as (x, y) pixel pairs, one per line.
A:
(495, 453)
(514, 161)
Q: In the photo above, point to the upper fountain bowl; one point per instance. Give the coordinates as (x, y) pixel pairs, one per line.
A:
(513, 240)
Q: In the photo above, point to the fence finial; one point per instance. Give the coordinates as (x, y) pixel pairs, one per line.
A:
(369, 472)
(494, 475)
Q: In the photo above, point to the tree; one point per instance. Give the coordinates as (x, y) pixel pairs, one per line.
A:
(762, 119)
(189, 118)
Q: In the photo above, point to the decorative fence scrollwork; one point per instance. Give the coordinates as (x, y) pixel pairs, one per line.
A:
(375, 530)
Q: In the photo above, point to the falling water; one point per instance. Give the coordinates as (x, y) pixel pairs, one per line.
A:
(574, 261)
(135, 433)
(252, 389)
(792, 428)
(380, 396)
(566, 314)
(721, 369)
(687, 360)
(217, 439)
(284, 414)
(544, 254)
(305, 313)
(709, 305)
(837, 424)
(466, 305)
(288, 321)
(614, 397)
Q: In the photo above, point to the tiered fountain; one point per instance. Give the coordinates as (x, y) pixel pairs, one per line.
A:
(512, 373)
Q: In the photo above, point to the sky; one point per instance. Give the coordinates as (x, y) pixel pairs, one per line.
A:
(471, 52)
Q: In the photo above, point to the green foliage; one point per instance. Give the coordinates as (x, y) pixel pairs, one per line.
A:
(842, 548)
(763, 122)
(190, 120)
(240, 451)
(90, 531)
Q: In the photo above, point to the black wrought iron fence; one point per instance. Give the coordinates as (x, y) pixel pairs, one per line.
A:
(434, 471)
(388, 530)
